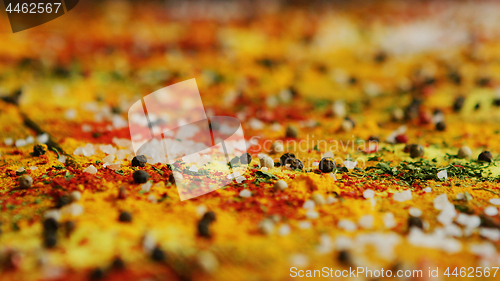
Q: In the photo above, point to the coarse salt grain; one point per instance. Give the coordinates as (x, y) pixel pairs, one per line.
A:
(33, 168)
(309, 205)
(350, 164)
(389, 220)
(240, 179)
(91, 170)
(245, 193)
(193, 169)
(330, 200)
(304, 225)
(415, 212)
(318, 199)
(442, 174)
(43, 138)
(8, 141)
(29, 140)
(368, 194)
(491, 211)
(311, 214)
(20, 143)
(347, 225)
(427, 190)
(402, 196)
(146, 186)
(284, 230)
(299, 260)
(495, 201)
(491, 233)
(108, 159)
(366, 221)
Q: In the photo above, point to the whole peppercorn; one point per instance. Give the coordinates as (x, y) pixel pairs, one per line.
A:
(245, 158)
(485, 156)
(441, 126)
(158, 254)
(125, 217)
(209, 216)
(235, 161)
(139, 161)
(415, 222)
(416, 151)
(455, 77)
(69, 227)
(326, 165)
(291, 132)
(295, 164)
(203, 228)
(38, 150)
(374, 139)
(344, 257)
(25, 181)
(140, 176)
(118, 263)
(96, 274)
(464, 152)
(285, 157)
(458, 103)
(63, 201)
(50, 225)
(50, 240)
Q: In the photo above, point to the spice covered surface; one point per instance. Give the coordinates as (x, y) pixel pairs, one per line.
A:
(406, 181)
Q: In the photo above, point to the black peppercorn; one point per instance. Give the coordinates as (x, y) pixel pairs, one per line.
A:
(458, 103)
(344, 257)
(415, 222)
(38, 150)
(139, 161)
(285, 157)
(209, 216)
(50, 240)
(245, 158)
(50, 225)
(485, 156)
(63, 201)
(140, 176)
(416, 151)
(69, 227)
(326, 165)
(440, 126)
(235, 161)
(158, 254)
(118, 264)
(125, 217)
(295, 164)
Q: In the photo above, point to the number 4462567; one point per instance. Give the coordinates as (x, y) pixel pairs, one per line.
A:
(472, 272)
(34, 8)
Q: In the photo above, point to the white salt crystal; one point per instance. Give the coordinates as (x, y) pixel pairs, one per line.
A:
(441, 201)
(146, 186)
(469, 221)
(332, 176)
(91, 170)
(240, 179)
(315, 164)
(264, 169)
(62, 159)
(368, 194)
(207, 261)
(427, 190)
(304, 224)
(20, 143)
(245, 193)
(266, 226)
(78, 151)
(284, 230)
(29, 140)
(88, 150)
(491, 211)
(309, 205)
(43, 138)
(460, 196)
(442, 174)
(447, 214)
(255, 124)
(366, 221)
(402, 196)
(311, 214)
(70, 114)
(33, 168)
(330, 200)
(491, 233)
(415, 212)
(21, 170)
(108, 159)
(201, 210)
(453, 230)
(86, 128)
(193, 168)
(485, 249)
(299, 260)
(389, 221)
(152, 198)
(495, 201)
(54, 214)
(327, 154)
(107, 148)
(318, 199)
(347, 225)
(74, 209)
(8, 141)
(350, 164)
(233, 175)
